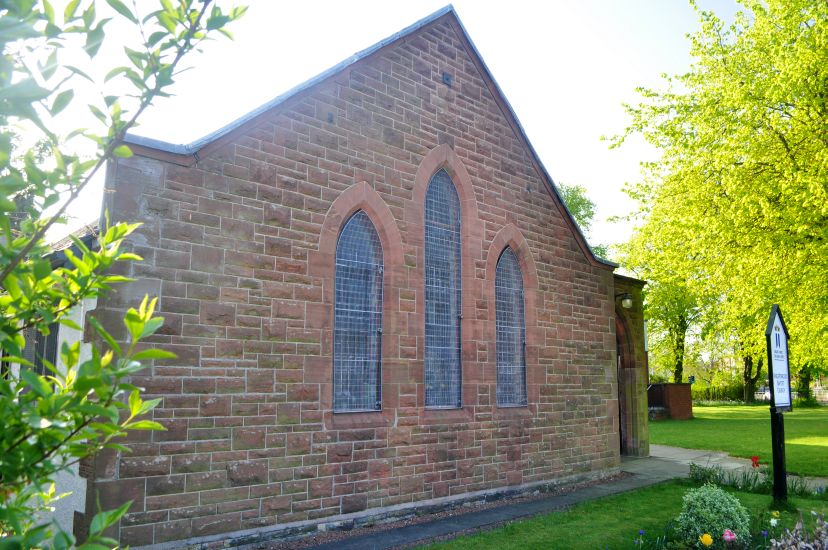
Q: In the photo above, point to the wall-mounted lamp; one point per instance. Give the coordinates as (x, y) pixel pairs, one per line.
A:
(626, 300)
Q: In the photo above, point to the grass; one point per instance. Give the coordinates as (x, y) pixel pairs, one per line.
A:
(744, 431)
(612, 522)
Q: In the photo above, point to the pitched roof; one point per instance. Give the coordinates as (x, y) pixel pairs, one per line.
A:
(86, 234)
(188, 154)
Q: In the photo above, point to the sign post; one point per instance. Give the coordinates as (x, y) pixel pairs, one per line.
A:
(776, 335)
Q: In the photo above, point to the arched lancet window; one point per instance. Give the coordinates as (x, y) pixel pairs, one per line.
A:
(511, 332)
(358, 317)
(442, 294)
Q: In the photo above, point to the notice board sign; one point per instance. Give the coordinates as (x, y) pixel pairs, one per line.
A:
(779, 370)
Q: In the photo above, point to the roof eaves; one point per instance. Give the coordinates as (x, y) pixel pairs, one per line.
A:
(195, 146)
(631, 280)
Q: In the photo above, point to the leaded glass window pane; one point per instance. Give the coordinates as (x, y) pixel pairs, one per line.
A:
(511, 332)
(358, 317)
(442, 293)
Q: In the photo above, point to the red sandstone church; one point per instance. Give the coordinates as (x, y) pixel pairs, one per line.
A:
(378, 302)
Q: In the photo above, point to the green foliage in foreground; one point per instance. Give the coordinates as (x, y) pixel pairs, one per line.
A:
(615, 522)
(54, 418)
(744, 431)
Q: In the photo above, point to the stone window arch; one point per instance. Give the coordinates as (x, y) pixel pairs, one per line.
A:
(320, 314)
(444, 158)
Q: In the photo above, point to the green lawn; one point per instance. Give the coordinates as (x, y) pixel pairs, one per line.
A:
(611, 522)
(744, 431)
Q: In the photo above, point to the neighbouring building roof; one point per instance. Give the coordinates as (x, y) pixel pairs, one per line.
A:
(86, 234)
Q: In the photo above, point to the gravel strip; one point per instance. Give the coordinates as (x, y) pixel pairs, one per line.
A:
(469, 508)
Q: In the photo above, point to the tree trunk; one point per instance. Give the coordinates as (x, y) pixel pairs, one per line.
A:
(679, 335)
(804, 385)
(750, 378)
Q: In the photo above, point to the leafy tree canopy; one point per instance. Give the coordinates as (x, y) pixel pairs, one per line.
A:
(736, 209)
(582, 209)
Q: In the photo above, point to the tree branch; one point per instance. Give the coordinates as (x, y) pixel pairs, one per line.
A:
(114, 142)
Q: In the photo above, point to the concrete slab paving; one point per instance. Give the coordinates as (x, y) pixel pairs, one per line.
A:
(700, 457)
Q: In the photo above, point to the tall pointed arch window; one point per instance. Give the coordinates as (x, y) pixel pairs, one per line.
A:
(511, 332)
(358, 317)
(442, 294)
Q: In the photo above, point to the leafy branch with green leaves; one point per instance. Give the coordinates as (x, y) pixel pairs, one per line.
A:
(53, 140)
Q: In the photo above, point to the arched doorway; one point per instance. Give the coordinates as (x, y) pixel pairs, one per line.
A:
(631, 367)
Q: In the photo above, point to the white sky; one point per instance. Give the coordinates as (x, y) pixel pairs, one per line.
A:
(565, 66)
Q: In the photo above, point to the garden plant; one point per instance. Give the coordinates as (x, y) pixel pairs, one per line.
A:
(709, 512)
(62, 117)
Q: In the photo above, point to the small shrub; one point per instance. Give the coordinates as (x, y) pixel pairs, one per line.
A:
(709, 509)
(798, 486)
(728, 393)
(706, 474)
(806, 403)
(754, 480)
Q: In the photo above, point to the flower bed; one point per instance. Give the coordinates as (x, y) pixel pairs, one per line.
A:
(707, 509)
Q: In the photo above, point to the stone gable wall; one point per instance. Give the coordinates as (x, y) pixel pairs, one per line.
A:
(239, 248)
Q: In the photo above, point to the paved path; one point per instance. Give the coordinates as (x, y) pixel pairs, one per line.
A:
(663, 463)
(684, 457)
(712, 458)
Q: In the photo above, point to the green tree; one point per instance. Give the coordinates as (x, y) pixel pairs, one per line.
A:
(582, 209)
(740, 192)
(671, 308)
(672, 311)
(806, 375)
(52, 421)
(751, 355)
